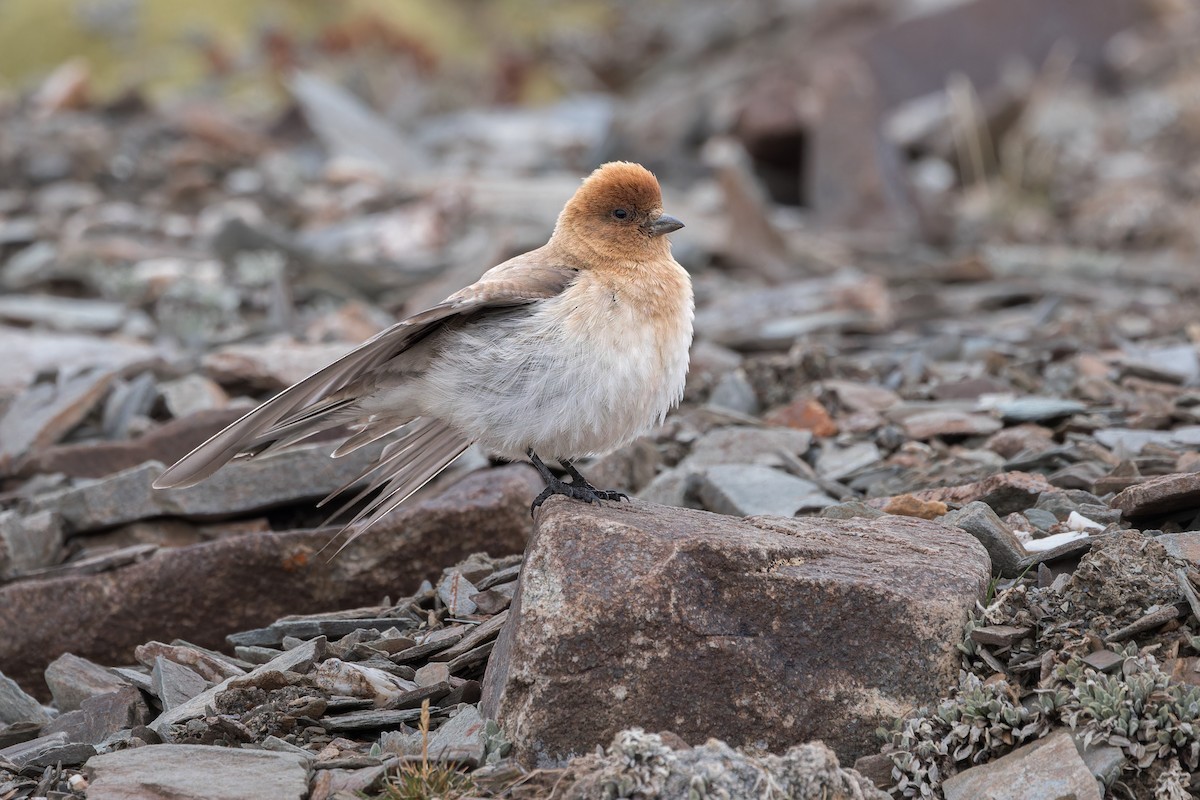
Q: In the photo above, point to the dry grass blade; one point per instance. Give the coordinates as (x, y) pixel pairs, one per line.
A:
(427, 781)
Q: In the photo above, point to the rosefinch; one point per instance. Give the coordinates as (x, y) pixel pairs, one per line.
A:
(570, 350)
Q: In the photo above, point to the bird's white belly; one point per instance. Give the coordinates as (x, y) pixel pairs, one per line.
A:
(548, 382)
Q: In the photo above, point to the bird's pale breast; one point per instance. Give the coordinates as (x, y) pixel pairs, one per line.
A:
(581, 373)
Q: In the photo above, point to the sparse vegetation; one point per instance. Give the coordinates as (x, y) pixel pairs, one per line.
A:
(426, 780)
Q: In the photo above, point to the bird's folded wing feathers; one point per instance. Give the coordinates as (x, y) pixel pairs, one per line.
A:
(310, 405)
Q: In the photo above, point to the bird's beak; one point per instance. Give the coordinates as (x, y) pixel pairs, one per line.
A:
(665, 223)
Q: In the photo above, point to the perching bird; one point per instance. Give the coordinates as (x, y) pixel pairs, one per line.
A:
(572, 349)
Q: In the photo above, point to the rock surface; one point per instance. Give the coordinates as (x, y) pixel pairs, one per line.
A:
(72, 680)
(197, 772)
(247, 581)
(653, 616)
(1049, 767)
(1160, 495)
(304, 473)
(17, 706)
(101, 716)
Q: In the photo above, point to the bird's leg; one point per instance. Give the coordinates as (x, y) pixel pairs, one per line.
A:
(577, 479)
(578, 488)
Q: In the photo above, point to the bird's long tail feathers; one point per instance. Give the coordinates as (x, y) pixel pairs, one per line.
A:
(297, 413)
(427, 447)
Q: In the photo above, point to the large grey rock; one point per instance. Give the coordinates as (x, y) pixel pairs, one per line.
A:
(17, 706)
(101, 716)
(765, 631)
(742, 444)
(837, 463)
(1005, 549)
(245, 582)
(746, 489)
(197, 772)
(29, 542)
(1049, 767)
(736, 452)
(73, 679)
(734, 392)
(291, 476)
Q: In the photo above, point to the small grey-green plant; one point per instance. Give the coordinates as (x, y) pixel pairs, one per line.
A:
(1138, 709)
(980, 721)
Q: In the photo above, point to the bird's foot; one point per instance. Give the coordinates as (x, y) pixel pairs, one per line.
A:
(575, 490)
(578, 488)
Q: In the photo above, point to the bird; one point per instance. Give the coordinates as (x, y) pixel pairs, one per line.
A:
(570, 350)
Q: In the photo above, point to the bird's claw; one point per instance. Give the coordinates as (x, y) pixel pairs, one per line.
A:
(585, 492)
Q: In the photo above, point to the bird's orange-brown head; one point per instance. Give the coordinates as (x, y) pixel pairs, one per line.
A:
(617, 215)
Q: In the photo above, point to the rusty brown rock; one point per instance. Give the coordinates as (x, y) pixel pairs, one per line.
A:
(905, 505)
(1182, 545)
(1160, 495)
(765, 630)
(202, 592)
(806, 414)
(1005, 493)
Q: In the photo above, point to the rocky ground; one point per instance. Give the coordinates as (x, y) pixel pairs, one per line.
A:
(927, 523)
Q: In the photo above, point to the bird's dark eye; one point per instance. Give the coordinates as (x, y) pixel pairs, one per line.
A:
(620, 213)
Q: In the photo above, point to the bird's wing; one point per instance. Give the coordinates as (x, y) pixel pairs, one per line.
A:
(314, 403)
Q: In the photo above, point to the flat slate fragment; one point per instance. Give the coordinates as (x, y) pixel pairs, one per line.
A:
(460, 739)
(481, 633)
(999, 635)
(303, 473)
(48, 750)
(415, 697)
(275, 633)
(197, 772)
(747, 489)
(425, 649)
(369, 720)
(1160, 495)
(174, 684)
(471, 658)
